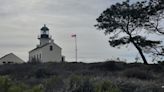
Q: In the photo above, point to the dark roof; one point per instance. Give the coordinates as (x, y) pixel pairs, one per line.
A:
(39, 47)
(6, 55)
(10, 54)
(44, 28)
(44, 46)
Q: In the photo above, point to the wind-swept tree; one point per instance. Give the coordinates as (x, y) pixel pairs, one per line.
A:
(127, 23)
(158, 16)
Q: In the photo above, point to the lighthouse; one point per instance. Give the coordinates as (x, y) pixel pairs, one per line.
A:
(44, 35)
(47, 50)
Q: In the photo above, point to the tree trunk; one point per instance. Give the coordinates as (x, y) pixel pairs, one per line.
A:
(140, 52)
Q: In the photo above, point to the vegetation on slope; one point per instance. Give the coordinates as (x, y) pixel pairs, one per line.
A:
(82, 77)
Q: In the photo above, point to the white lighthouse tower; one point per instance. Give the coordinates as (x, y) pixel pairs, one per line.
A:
(47, 50)
(44, 36)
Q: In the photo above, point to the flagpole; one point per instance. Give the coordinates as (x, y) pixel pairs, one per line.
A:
(76, 48)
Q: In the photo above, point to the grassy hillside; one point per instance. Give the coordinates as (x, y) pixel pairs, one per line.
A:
(82, 77)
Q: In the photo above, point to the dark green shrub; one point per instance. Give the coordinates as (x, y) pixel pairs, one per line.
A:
(18, 87)
(138, 73)
(80, 84)
(86, 84)
(74, 83)
(37, 88)
(111, 66)
(106, 86)
(5, 83)
(54, 84)
(42, 73)
(161, 62)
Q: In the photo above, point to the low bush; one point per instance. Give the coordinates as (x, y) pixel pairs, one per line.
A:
(81, 77)
(6, 85)
(54, 84)
(85, 84)
(137, 73)
(106, 86)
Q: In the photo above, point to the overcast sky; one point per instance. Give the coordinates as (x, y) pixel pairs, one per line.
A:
(21, 21)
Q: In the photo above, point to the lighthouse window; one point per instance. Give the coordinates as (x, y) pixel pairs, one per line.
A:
(51, 48)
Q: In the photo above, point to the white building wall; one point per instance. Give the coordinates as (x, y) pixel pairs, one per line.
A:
(36, 54)
(44, 54)
(52, 56)
(11, 58)
(44, 41)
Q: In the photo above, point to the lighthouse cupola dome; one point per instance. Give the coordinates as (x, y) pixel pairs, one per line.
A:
(44, 32)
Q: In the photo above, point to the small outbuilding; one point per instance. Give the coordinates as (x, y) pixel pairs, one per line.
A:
(11, 59)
